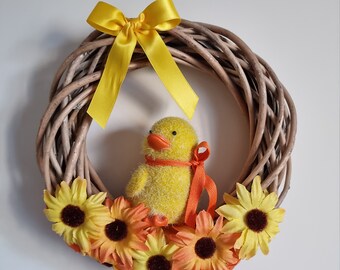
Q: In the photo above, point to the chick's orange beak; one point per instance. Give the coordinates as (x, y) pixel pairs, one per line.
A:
(158, 142)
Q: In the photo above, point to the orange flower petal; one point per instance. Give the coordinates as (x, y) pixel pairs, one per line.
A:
(204, 223)
(217, 228)
(184, 238)
(184, 254)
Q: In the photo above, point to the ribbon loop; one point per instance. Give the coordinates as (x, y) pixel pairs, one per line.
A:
(202, 155)
(107, 19)
(161, 15)
(200, 182)
(167, 16)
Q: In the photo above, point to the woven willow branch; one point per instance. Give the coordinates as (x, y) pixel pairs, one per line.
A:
(61, 140)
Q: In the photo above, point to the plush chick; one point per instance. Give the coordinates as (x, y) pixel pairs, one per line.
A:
(165, 189)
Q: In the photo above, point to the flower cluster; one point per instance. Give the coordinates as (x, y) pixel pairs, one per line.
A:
(116, 233)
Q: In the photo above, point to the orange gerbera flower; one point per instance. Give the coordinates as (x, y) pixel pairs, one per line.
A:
(204, 247)
(126, 231)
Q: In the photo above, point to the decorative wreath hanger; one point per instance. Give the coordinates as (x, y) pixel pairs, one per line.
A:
(128, 232)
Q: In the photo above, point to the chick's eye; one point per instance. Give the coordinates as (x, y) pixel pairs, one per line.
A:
(174, 133)
(150, 131)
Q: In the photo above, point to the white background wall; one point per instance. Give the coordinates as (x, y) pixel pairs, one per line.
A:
(300, 40)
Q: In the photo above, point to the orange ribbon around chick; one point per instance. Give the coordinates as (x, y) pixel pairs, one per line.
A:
(200, 180)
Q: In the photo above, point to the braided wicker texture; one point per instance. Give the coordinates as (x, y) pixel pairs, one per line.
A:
(61, 140)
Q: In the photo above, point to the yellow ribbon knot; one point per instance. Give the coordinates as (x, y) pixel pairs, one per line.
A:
(160, 15)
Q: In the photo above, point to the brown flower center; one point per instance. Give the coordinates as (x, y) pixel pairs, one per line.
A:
(158, 262)
(256, 220)
(72, 216)
(205, 247)
(116, 230)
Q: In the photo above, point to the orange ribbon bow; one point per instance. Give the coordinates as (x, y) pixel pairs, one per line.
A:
(200, 181)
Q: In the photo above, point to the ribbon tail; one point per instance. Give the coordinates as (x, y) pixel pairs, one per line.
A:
(194, 196)
(114, 73)
(210, 186)
(168, 71)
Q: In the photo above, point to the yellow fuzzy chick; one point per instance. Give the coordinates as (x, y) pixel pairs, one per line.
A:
(165, 189)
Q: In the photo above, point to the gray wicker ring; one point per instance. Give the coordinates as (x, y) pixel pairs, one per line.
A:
(61, 140)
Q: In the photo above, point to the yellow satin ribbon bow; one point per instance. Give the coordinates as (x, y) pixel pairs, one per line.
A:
(160, 15)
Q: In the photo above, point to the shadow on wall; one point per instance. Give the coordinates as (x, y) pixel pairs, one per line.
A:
(27, 183)
(119, 154)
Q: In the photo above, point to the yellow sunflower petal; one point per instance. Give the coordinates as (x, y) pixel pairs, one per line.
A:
(51, 202)
(154, 243)
(233, 226)
(272, 229)
(269, 202)
(52, 215)
(63, 194)
(139, 265)
(100, 218)
(78, 191)
(243, 196)
(231, 211)
(90, 219)
(58, 228)
(97, 198)
(249, 247)
(169, 250)
(240, 241)
(161, 239)
(256, 193)
(253, 250)
(246, 247)
(68, 235)
(140, 256)
(83, 241)
(277, 214)
(263, 242)
(228, 199)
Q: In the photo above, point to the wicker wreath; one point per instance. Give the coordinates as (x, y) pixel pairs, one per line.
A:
(61, 139)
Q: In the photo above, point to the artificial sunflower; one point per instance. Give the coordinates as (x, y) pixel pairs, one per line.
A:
(75, 216)
(204, 247)
(254, 214)
(124, 232)
(158, 255)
